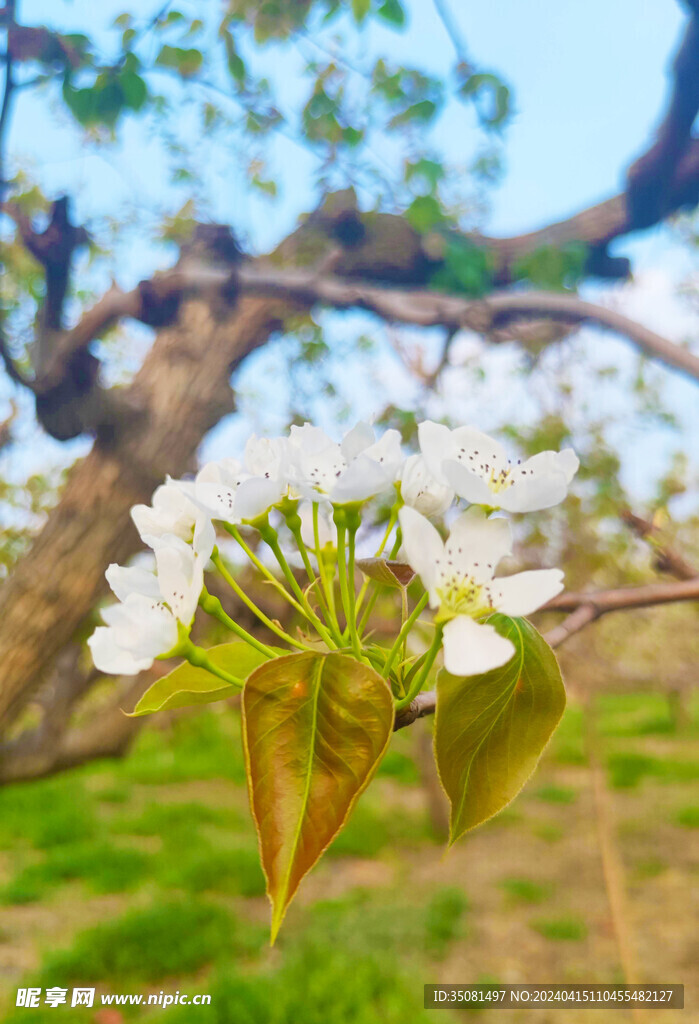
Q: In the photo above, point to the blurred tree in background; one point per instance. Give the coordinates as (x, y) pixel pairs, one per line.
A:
(207, 324)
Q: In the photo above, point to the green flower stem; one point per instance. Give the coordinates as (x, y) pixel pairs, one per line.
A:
(198, 656)
(405, 629)
(396, 544)
(328, 585)
(261, 567)
(392, 519)
(271, 537)
(366, 615)
(218, 562)
(347, 603)
(420, 677)
(212, 606)
(293, 521)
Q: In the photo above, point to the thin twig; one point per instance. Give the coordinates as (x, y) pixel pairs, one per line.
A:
(667, 559)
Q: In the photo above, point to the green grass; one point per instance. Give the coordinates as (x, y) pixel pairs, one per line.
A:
(688, 817)
(650, 867)
(547, 831)
(147, 944)
(628, 768)
(202, 867)
(557, 794)
(46, 813)
(561, 929)
(173, 821)
(315, 984)
(444, 916)
(526, 890)
(105, 868)
(206, 746)
(568, 741)
(371, 828)
(634, 714)
(399, 766)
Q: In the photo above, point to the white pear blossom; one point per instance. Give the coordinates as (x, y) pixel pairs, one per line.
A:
(170, 512)
(234, 491)
(137, 630)
(479, 470)
(422, 491)
(144, 622)
(357, 469)
(174, 513)
(459, 579)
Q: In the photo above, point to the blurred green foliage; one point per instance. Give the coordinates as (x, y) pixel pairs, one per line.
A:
(159, 886)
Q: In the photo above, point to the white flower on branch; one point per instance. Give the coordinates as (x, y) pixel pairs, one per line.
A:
(479, 470)
(170, 512)
(421, 490)
(143, 624)
(136, 632)
(458, 576)
(174, 513)
(355, 470)
(233, 491)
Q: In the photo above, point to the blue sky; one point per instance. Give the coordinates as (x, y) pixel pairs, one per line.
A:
(590, 83)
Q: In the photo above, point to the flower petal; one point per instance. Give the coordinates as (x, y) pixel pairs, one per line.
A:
(133, 579)
(435, 444)
(477, 451)
(357, 440)
(471, 647)
(524, 592)
(387, 452)
(216, 500)
(256, 495)
(204, 537)
(109, 657)
(309, 439)
(423, 548)
(264, 456)
(532, 493)
(363, 479)
(541, 481)
(181, 578)
(421, 491)
(468, 484)
(476, 544)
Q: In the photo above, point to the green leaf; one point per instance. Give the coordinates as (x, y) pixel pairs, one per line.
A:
(490, 729)
(360, 9)
(134, 89)
(186, 62)
(422, 111)
(315, 727)
(484, 84)
(425, 213)
(187, 685)
(430, 171)
(392, 11)
(80, 102)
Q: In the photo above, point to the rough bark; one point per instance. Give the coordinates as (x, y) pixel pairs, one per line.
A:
(182, 390)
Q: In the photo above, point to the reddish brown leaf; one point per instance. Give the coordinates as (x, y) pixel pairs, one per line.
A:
(315, 727)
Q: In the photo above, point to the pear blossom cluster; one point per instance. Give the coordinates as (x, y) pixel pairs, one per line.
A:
(316, 499)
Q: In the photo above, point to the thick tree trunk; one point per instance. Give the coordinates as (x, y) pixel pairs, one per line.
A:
(183, 389)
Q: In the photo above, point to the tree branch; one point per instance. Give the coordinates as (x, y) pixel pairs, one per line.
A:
(488, 316)
(667, 559)
(585, 607)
